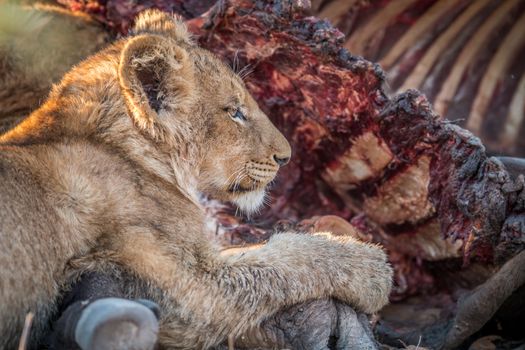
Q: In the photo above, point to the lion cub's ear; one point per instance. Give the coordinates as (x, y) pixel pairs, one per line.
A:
(158, 22)
(156, 77)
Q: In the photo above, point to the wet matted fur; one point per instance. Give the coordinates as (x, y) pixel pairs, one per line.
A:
(107, 173)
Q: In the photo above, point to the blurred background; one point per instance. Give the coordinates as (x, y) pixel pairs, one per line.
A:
(467, 57)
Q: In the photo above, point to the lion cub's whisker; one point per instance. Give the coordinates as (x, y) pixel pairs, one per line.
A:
(234, 176)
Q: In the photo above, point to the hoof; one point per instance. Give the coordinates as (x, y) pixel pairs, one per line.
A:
(114, 324)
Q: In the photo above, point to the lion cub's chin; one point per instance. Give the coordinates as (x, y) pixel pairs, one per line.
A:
(249, 202)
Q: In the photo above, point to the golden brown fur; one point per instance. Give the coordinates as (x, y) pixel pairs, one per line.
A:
(107, 172)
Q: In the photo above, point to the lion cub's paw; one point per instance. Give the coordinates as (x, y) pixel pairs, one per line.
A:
(343, 267)
(361, 274)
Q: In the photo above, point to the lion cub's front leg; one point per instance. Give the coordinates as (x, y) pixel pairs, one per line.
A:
(242, 290)
(343, 267)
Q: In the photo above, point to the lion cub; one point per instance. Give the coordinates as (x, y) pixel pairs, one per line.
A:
(108, 170)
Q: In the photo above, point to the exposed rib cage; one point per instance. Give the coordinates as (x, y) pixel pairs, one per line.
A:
(468, 57)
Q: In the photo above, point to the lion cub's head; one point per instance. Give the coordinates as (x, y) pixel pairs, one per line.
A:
(199, 111)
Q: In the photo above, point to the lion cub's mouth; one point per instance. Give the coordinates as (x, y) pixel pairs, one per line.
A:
(253, 177)
(249, 184)
(239, 189)
(248, 191)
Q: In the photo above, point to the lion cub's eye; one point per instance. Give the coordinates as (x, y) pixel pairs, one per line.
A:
(239, 115)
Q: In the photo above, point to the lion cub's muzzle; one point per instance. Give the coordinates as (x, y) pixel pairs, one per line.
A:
(254, 176)
(261, 172)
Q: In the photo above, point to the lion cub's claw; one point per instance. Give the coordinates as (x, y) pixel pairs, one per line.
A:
(114, 324)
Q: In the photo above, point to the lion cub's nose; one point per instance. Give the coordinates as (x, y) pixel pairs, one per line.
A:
(281, 161)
